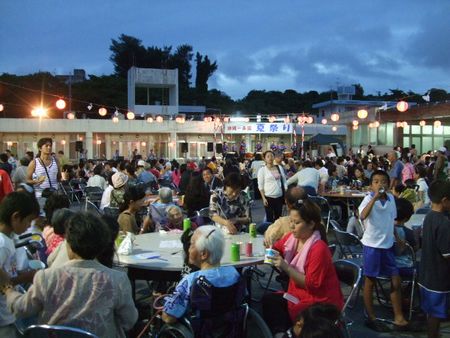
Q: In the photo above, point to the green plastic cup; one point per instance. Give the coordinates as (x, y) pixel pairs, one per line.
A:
(235, 252)
(252, 230)
(186, 224)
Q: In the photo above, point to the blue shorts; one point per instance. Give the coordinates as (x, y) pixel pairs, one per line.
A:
(379, 262)
(435, 304)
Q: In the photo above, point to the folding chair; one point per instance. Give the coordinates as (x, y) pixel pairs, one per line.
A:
(111, 212)
(94, 195)
(203, 214)
(325, 209)
(407, 266)
(89, 206)
(349, 245)
(350, 274)
(56, 331)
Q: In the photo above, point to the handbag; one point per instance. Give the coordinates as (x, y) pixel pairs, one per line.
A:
(47, 191)
(281, 181)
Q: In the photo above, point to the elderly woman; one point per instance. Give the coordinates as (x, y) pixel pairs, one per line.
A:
(82, 293)
(205, 252)
(157, 216)
(303, 254)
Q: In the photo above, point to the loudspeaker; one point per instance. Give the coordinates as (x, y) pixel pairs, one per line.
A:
(210, 146)
(219, 148)
(78, 145)
(184, 147)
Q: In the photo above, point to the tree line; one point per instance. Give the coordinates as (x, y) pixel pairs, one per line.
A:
(128, 51)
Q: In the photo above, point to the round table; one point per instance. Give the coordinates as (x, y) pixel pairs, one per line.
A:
(158, 256)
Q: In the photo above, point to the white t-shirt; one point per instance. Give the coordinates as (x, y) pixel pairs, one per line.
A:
(306, 177)
(423, 186)
(106, 197)
(379, 225)
(9, 265)
(323, 172)
(256, 165)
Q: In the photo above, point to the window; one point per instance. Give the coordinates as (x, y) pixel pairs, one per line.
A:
(427, 130)
(382, 134)
(390, 134)
(415, 129)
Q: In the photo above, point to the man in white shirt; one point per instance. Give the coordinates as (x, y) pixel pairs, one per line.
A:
(308, 178)
(323, 172)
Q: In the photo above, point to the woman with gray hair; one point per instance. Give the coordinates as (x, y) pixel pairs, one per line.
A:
(205, 252)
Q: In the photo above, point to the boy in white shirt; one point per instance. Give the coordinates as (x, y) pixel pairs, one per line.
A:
(378, 212)
(17, 210)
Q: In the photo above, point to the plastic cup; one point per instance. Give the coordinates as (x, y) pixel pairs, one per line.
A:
(235, 252)
(186, 224)
(270, 254)
(252, 230)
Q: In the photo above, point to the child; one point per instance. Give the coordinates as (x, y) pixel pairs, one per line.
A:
(17, 210)
(378, 212)
(434, 269)
(405, 210)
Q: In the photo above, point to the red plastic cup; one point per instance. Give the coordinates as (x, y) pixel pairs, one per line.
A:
(249, 249)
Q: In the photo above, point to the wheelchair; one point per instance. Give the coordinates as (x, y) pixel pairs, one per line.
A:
(214, 312)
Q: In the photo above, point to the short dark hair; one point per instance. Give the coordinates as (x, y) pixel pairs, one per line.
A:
(421, 170)
(98, 169)
(266, 152)
(233, 180)
(53, 203)
(438, 190)
(309, 211)
(379, 173)
(319, 162)
(405, 209)
(132, 193)
(4, 157)
(25, 161)
(43, 141)
(23, 203)
(87, 235)
(59, 220)
(207, 169)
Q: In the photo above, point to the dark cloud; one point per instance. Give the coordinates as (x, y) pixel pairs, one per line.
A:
(301, 45)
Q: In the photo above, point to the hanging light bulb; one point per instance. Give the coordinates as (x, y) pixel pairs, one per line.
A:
(370, 125)
(63, 142)
(355, 127)
(130, 115)
(60, 104)
(404, 124)
(102, 111)
(355, 122)
(422, 123)
(149, 119)
(362, 113)
(334, 117)
(334, 128)
(115, 119)
(1, 107)
(310, 120)
(159, 119)
(71, 116)
(226, 119)
(99, 142)
(324, 121)
(437, 124)
(143, 144)
(272, 119)
(402, 106)
(376, 124)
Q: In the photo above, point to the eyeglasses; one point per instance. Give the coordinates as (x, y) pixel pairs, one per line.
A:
(210, 233)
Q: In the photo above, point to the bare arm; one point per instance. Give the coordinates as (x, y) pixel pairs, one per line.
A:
(366, 211)
(30, 171)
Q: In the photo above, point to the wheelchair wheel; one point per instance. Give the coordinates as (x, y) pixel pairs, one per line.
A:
(177, 330)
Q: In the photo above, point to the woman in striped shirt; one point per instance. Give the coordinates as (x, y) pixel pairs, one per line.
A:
(43, 171)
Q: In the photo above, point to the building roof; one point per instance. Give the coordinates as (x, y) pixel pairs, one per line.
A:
(353, 103)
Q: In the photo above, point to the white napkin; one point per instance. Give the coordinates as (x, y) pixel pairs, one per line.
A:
(126, 247)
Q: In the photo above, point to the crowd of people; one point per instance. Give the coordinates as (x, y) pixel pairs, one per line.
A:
(80, 288)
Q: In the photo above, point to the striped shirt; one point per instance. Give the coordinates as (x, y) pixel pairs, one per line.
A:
(39, 171)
